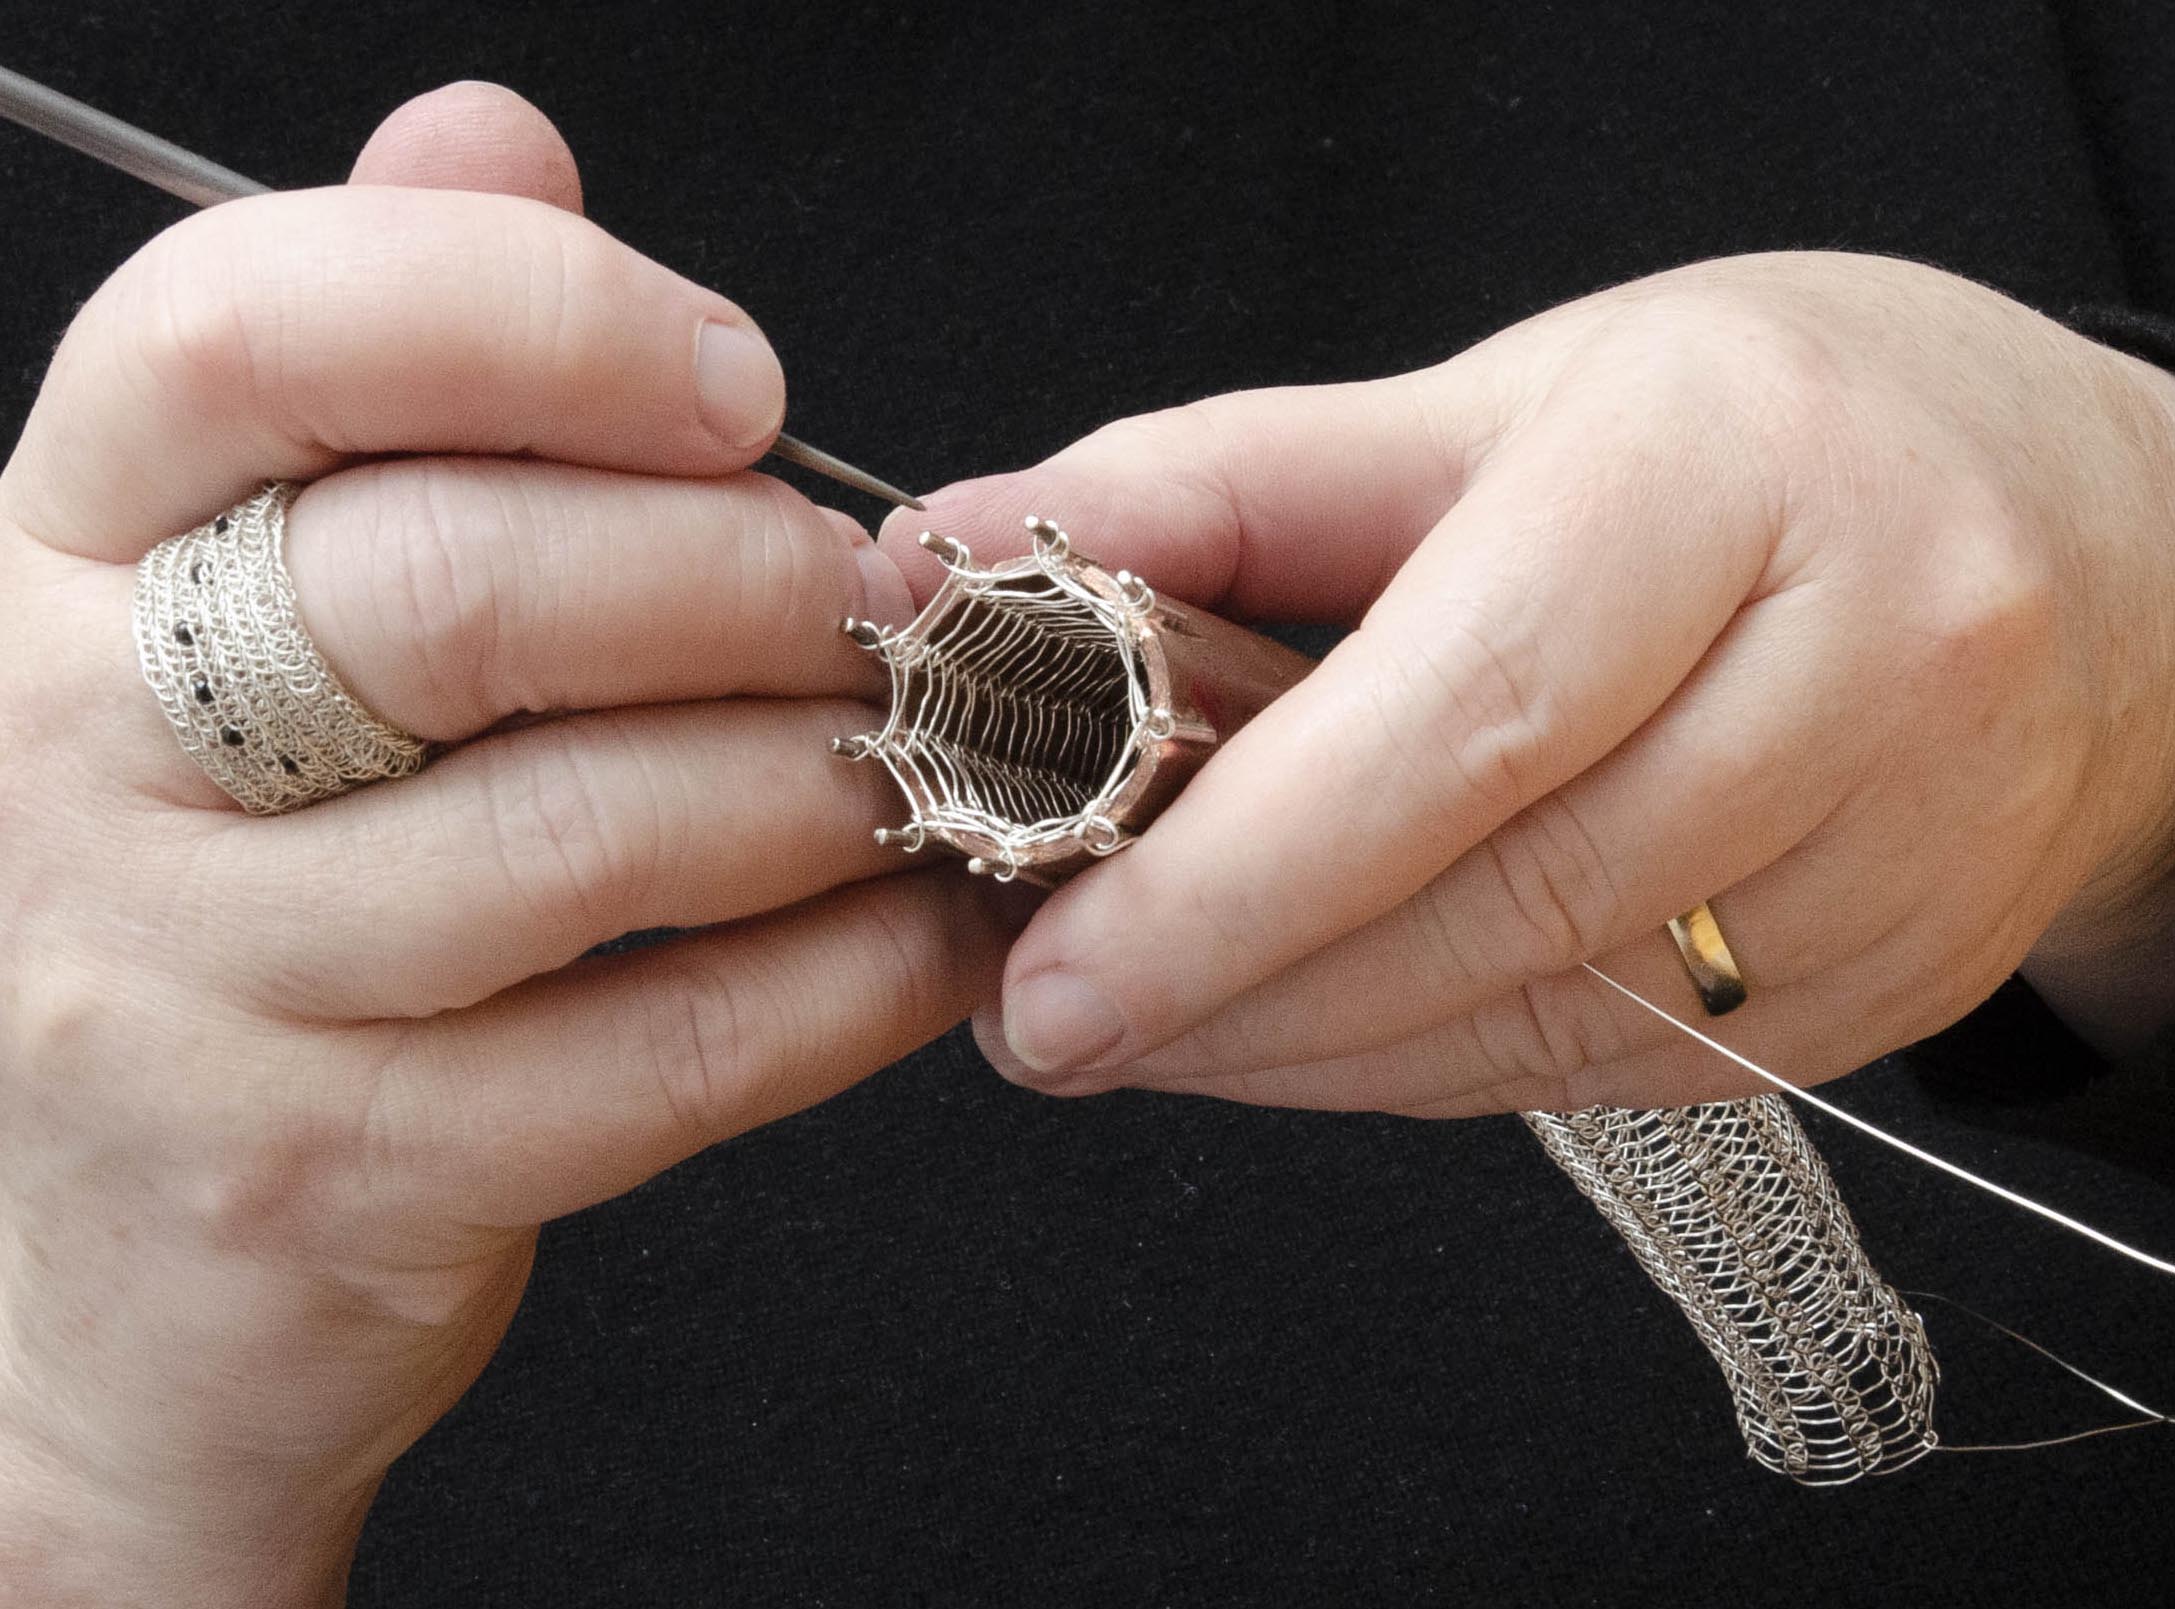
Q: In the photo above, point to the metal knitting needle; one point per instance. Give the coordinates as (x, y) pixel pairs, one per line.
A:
(796, 451)
(205, 183)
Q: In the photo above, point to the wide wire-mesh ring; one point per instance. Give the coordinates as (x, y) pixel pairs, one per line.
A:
(246, 691)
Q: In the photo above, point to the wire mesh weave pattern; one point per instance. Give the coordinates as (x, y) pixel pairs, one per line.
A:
(1730, 1211)
(248, 694)
(1018, 706)
(1018, 710)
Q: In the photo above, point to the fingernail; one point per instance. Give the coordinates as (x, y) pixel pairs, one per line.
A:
(903, 524)
(845, 525)
(740, 384)
(1057, 1021)
(989, 1039)
(885, 597)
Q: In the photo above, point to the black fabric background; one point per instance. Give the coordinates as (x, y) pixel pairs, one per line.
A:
(945, 1342)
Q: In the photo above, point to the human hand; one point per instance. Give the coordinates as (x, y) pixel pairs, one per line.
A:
(1836, 590)
(283, 1100)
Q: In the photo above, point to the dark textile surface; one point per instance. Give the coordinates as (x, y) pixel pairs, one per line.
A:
(942, 1341)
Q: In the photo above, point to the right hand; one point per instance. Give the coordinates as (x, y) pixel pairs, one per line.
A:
(283, 1101)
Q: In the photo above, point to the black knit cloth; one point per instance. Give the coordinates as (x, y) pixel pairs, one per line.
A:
(945, 1342)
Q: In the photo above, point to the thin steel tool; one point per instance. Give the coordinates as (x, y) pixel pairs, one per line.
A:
(205, 183)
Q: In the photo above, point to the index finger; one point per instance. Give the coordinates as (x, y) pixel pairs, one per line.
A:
(1290, 503)
(1550, 613)
(275, 337)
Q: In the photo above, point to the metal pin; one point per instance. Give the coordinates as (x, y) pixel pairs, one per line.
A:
(1050, 542)
(866, 633)
(204, 183)
(952, 553)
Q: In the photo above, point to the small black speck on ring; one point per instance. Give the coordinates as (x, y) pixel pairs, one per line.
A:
(196, 573)
(231, 736)
(184, 636)
(221, 525)
(287, 764)
(203, 692)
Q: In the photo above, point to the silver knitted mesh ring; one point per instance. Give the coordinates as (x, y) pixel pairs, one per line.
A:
(248, 694)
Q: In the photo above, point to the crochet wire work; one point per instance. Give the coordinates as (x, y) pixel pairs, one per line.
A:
(1043, 711)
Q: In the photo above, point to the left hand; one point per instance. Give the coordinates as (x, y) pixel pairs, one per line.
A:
(1836, 590)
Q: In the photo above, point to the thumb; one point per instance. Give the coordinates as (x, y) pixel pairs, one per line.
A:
(1296, 503)
(472, 136)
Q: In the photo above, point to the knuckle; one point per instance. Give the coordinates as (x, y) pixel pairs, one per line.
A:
(785, 579)
(1178, 449)
(925, 950)
(440, 548)
(260, 1180)
(194, 335)
(1163, 433)
(561, 846)
(1556, 885)
(1230, 917)
(1482, 731)
(1455, 949)
(1996, 611)
(1544, 1036)
(54, 1015)
(695, 1037)
(1565, 1039)
(1511, 1047)
(197, 332)
(279, 1165)
(736, 1048)
(551, 266)
(1704, 340)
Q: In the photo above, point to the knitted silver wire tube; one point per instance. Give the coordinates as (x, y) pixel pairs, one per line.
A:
(1008, 729)
(247, 693)
(1729, 1209)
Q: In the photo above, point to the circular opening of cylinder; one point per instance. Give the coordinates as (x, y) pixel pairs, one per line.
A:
(1016, 710)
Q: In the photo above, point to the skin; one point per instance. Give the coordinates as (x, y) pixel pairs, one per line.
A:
(1837, 591)
(1834, 590)
(283, 1100)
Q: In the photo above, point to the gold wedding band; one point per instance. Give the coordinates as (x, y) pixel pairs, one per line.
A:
(1706, 956)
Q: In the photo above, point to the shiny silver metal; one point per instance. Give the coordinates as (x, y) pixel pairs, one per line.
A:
(195, 179)
(1044, 710)
(1731, 1212)
(795, 451)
